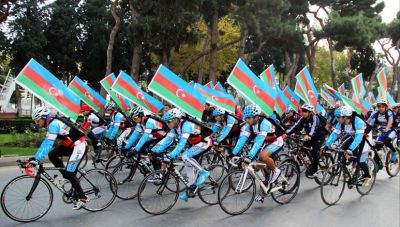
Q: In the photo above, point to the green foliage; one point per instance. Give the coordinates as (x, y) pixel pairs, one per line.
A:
(393, 30)
(322, 70)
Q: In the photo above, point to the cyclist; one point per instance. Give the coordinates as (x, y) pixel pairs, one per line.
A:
(314, 135)
(354, 133)
(396, 115)
(266, 140)
(291, 117)
(384, 119)
(330, 118)
(117, 120)
(187, 131)
(230, 126)
(72, 144)
(93, 122)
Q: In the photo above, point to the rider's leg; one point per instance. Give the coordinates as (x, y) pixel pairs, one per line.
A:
(122, 138)
(266, 157)
(362, 153)
(79, 151)
(55, 154)
(95, 136)
(389, 138)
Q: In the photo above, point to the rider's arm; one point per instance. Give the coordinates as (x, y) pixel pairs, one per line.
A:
(298, 126)
(215, 128)
(225, 131)
(371, 119)
(134, 137)
(390, 121)
(358, 136)
(334, 135)
(150, 125)
(114, 127)
(165, 143)
(314, 127)
(49, 140)
(186, 130)
(243, 137)
(265, 128)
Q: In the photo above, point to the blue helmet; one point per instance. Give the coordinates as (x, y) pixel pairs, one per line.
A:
(338, 112)
(290, 109)
(217, 112)
(172, 113)
(251, 111)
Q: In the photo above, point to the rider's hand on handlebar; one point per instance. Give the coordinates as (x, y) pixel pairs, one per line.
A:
(307, 138)
(348, 154)
(33, 161)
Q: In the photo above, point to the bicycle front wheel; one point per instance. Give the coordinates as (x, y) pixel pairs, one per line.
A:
(101, 188)
(18, 207)
(392, 163)
(158, 196)
(236, 192)
(325, 161)
(128, 178)
(366, 186)
(333, 187)
(208, 192)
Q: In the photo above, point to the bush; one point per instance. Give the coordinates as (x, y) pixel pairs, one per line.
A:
(18, 125)
(27, 139)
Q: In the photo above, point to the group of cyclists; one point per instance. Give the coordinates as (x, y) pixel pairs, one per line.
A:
(174, 135)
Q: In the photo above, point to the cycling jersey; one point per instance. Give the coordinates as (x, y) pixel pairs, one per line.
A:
(226, 126)
(116, 119)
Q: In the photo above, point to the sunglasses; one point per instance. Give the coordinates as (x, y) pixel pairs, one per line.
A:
(381, 106)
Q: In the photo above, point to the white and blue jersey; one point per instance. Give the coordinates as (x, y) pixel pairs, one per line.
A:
(226, 128)
(144, 130)
(116, 120)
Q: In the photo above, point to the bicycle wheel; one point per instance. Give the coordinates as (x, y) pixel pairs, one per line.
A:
(211, 158)
(113, 162)
(232, 198)
(105, 153)
(208, 191)
(128, 178)
(392, 167)
(365, 187)
(332, 189)
(286, 187)
(158, 197)
(325, 161)
(14, 200)
(101, 188)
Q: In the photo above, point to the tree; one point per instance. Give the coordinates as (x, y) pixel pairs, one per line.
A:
(63, 43)
(322, 67)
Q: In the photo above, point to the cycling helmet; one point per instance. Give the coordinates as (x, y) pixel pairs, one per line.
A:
(346, 112)
(338, 112)
(381, 101)
(290, 109)
(109, 106)
(40, 112)
(251, 111)
(396, 105)
(307, 107)
(218, 112)
(172, 113)
(85, 108)
(135, 111)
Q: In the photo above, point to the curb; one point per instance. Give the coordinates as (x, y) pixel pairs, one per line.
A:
(11, 161)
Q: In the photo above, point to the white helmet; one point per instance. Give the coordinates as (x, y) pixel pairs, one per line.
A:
(308, 107)
(172, 113)
(346, 111)
(396, 105)
(110, 106)
(381, 101)
(40, 112)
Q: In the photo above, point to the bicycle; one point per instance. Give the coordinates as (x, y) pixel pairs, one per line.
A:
(29, 197)
(339, 174)
(302, 155)
(166, 190)
(382, 156)
(238, 188)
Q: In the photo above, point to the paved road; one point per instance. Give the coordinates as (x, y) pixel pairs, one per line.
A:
(379, 208)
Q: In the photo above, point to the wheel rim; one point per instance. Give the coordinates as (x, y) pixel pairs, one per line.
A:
(332, 189)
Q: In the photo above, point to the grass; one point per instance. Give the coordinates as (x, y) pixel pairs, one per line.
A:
(5, 138)
(21, 151)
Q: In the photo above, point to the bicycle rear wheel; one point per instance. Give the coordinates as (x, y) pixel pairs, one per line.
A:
(106, 152)
(392, 167)
(211, 158)
(332, 189)
(208, 191)
(365, 187)
(288, 182)
(113, 162)
(101, 188)
(158, 197)
(325, 161)
(14, 200)
(232, 197)
(128, 178)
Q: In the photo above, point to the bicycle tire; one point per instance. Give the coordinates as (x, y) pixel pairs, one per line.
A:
(324, 162)
(289, 171)
(96, 189)
(143, 191)
(128, 179)
(113, 162)
(223, 196)
(389, 165)
(4, 194)
(334, 173)
(360, 187)
(209, 188)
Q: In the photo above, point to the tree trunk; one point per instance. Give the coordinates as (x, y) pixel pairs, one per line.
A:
(19, 100)
(333, 66)
(214, 52)
(348, 63)
(137, 47)
(243, 36)
(164, 57)
(396, 78)
(202, 63)
(111, 41)
(291, 66)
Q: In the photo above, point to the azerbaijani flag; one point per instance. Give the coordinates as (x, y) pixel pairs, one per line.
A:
(328, 98)
(306, 82)
(88, 95)
(282, 102)
(333, 92)
(390, 100)
(358, 87)
(342, 89)
(191, 83)
(382, 80)
(126, 87)
(209, 85)
(300, 92)
(107, 82)
(252, 88)
(218, 99)
(218, 87)
(44, 85)
(372, 97)
(355, 105)
(293, 98)
(381, 93)
(178, 92)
